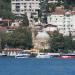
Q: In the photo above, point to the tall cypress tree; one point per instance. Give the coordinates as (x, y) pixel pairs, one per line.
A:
(43, 10)
(25, 21)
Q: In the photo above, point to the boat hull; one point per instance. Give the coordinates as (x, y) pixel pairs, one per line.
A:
(22, 56)
(43, 55)
(67, 56)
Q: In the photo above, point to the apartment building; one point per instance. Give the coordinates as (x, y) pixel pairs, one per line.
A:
(65, 21)
(19, 7)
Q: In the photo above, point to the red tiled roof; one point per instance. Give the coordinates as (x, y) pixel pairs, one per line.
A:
(2, 28)
(73, 12)
(12, 49)
(59, 10)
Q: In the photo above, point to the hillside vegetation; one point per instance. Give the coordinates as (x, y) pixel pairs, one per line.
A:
(5, 9)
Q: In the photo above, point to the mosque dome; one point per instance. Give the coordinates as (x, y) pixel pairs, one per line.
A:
(42, 36)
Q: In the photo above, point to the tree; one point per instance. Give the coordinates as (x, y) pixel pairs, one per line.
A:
(21, 37)
(5, 9)
(60, 42)
(69, 4)
(25, 21)
(52, 7)
(68, 42)
(59, 2)
(57, 42)
(44, 8)
(2, 37)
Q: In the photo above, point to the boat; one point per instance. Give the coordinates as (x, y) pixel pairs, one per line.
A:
(22, 55)
(42, 55)
(2, 54)
(69, 55)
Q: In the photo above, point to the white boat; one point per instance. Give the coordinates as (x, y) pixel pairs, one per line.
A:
(25, 55)
(43, 55)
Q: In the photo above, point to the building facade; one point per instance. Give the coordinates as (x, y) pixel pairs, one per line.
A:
(65, 22)
(19, 7)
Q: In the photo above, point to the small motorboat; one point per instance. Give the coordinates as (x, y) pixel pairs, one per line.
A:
(25, 55)
(69, 55)
(42, 55)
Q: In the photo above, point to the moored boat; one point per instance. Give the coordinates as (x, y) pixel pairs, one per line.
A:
(66, 56)
(25, 55)
(42, 55)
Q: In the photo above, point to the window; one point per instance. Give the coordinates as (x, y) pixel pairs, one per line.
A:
(64, 28)
(17, 7)
(25, 9)
(17, 3)
(24, 6)
(22, 10)
(29, 9)
(30, 6)
(24, 3)
(71, 25)
(13, 10)
(18, 10)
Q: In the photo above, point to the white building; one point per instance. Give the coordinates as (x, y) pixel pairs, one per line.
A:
(19, 7)
(64, 21)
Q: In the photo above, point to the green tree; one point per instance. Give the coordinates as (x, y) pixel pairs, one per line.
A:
(25, 21)
(52, 7)
(57, 42)
(68, 42)
(20, 37)
(44, 8)
(59, 2)
(2, 37)
(5, 9)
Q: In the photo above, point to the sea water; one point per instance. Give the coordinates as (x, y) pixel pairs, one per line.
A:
(33, 66)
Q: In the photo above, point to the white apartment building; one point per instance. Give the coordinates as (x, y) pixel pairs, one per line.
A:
(64, 22)
(19, 7)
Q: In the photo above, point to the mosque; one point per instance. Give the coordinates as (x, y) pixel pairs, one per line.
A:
(41, 35)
